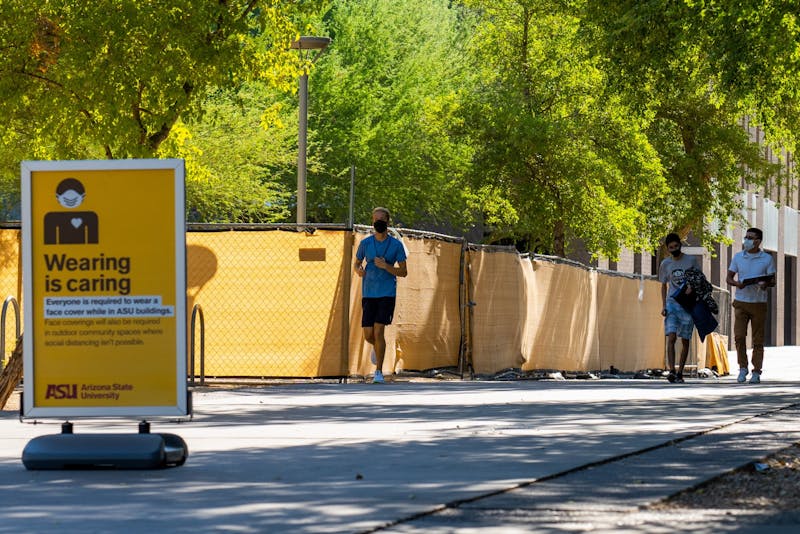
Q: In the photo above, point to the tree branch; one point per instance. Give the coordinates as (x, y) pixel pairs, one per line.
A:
(40, 78)
(249, 9)
(46, 80)
(155, 140)
(137, 115)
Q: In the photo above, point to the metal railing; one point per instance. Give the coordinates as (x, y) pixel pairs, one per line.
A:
(197, 311)
(13, 302)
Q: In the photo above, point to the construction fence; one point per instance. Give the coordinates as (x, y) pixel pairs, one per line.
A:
(283, 301)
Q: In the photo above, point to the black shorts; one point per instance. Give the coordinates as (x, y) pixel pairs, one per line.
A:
(377, 310)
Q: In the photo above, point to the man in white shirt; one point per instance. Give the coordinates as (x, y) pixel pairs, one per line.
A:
(756, 273)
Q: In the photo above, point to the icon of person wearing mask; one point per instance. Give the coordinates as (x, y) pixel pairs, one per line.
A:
(70, 227)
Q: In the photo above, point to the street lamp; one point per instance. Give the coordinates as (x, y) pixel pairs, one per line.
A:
(305, 42)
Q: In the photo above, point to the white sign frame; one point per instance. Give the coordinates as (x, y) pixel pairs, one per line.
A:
(181, 407)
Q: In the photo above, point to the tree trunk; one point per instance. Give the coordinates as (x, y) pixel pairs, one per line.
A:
(559, 245)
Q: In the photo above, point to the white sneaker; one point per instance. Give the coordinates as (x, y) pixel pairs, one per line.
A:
(378, 378)
(373, 358)
(742, 376)
(755, 378)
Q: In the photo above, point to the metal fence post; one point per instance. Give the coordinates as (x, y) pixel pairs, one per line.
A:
(9, 301)
(347, 278)
(198, 310)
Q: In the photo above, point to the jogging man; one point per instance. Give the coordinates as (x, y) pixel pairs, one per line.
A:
(385, 259)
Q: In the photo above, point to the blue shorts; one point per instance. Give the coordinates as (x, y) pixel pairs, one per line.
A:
(678, 321)
(377, 310)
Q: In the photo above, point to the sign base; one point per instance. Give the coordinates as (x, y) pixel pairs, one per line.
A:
(104, 451)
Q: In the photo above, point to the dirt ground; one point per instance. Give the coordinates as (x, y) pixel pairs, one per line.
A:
(12, 405)
(769, 484)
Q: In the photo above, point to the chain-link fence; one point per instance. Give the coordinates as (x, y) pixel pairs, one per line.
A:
(275, 300)
(282, 301)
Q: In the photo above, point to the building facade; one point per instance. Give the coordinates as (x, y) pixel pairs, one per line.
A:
(774, 209)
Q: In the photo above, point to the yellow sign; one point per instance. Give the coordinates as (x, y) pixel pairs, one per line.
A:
(105, 286)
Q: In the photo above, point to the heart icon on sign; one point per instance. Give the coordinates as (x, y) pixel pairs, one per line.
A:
(76, 222)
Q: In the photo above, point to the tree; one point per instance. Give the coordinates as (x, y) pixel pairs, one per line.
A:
(677, 63)
(746, 51)
(383, 98)
(559, 158)
(239, 154)
(112, 78)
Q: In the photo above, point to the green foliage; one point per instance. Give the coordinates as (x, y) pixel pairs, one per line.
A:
(672, 61)
(544, 123)
(745, 55)
(112, 78)
(384, 98)
(235, 156)
(551, 140)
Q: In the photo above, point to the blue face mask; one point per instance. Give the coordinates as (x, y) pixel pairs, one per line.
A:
(748, 244)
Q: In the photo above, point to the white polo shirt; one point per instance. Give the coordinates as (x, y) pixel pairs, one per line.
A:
(748, 265)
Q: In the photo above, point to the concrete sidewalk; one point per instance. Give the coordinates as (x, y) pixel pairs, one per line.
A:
(360, 457)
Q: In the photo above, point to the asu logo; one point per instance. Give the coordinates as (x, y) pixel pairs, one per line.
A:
(61, 391)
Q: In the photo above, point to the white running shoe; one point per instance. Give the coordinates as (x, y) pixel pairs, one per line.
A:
(373, 358)
(742, 376)
(378, 378)
(755, 378)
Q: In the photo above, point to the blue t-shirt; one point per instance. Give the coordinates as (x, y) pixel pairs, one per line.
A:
(378, 282)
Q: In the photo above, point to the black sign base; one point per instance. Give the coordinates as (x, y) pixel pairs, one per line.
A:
(104, 451)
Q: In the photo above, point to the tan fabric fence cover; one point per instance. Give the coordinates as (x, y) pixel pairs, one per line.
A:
(10, 283)
(426, 329)
(563, 323)
(272, 301)
(630, 329)
(501, 311)
(282, 303)
(546, 315)
(716, 353)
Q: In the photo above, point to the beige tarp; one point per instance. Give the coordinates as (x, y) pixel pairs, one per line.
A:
(630, 328)
(272, 301)
(10, 283)
(716, 353)
(546, 315)
(563, 320)
(500, 312)
(426, 330)
(286, 303)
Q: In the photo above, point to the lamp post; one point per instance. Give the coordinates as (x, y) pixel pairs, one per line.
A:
(305, 43)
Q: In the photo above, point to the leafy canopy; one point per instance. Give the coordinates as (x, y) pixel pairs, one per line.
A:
(559, 157)
(113, 78)
(118, 74)
(383, 98)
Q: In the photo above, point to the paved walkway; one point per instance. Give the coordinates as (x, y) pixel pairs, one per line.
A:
(417, 457)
